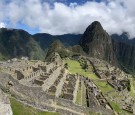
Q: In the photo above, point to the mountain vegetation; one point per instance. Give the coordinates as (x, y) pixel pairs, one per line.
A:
(17, 43)
(95, 42)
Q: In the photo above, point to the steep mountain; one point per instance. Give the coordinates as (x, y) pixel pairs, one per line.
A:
(45, 40)
(57, 46)
(97, 43)
(117, 49)
(124, 49)
(125, 54)
(17, 43)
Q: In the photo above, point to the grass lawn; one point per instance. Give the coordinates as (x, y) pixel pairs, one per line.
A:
(132, 87)
(19, 108)
(79, 96)
(104, 86)
(74, 67)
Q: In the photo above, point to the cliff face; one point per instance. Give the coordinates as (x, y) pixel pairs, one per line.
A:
(125, 54)
(97, 43)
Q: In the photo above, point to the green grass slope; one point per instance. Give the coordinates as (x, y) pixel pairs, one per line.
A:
(19, 108)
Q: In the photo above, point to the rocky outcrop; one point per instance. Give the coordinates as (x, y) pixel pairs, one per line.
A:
(96, 42)
(5, 108)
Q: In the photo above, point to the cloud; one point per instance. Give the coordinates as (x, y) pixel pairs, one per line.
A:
(2, 25)
(116, 16)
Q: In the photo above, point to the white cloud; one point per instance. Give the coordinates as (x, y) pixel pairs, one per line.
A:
(2, 25)
(116, 16)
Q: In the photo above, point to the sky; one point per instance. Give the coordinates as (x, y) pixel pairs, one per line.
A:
(59, 17)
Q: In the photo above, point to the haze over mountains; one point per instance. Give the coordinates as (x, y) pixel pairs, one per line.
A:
(95, 41)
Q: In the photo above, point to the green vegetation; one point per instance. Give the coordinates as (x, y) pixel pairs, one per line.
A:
(18, 43)
(117, 108)
(132, 87)
(84, 95)
(21, 109)
(57, 46)
(104, 86)
(74, 67)
(79, 97)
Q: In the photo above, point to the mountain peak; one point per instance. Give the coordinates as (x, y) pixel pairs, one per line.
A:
(97, 43)
(95, 26)
(93, 31)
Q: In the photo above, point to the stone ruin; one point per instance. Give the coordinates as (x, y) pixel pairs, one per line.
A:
(119, 84)
(49, 85)
(5, 108)
(94, 96)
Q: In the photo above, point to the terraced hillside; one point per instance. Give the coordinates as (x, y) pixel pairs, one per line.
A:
(71, 86)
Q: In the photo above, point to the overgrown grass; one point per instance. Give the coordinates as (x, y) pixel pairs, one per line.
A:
(19, 108)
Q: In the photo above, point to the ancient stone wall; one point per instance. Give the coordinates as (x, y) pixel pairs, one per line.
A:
(49, 67)
(5, 108)
(59, 87)
(33, 96)
(49, 82)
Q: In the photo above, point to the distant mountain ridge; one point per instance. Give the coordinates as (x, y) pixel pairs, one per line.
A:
(17, 43)
(124, 38)
(95, 42)
(66, 39)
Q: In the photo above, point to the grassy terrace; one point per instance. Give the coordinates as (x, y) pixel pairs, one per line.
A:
(21, 109)
(81, 99)
(74, 67)
(132, 87)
